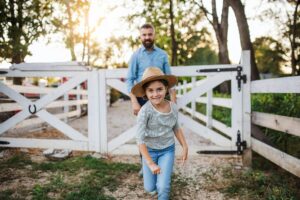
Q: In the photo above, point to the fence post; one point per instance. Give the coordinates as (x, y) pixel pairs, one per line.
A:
(78, 97)
(103, 111)
(193, 101)
(209, 108)
(245, 61)
(94, 132)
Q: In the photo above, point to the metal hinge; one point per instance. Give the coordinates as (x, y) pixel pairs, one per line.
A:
(241, 145)
(239, 77)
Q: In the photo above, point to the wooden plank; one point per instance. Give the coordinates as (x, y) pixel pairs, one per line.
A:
(280, 158)
(215, 123)
(236, 111)
(246, 106)
(18, 73)
(94, 111)
(20, 99)
(203, 131)
(102, 111)
(177, 71)
(45, 143)
(20, 116)
(122, 139)
(277, 85)
(223, 102)
(200, 90)
(61, 126)
(40, 90)
(35, 121)
(118, 85)
(209, 109)
(61, 90)
(290, 125)
(6, 107)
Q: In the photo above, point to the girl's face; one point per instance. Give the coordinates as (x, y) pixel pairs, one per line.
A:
(156, 92)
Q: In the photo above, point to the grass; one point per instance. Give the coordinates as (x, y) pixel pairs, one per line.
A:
(264, 181)
(74, 178)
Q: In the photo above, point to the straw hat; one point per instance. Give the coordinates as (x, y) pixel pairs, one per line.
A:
(152, 74)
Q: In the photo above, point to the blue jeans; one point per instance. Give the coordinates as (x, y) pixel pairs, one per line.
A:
(164, 158)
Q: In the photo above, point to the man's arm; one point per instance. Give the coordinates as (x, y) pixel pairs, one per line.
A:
(131, 78)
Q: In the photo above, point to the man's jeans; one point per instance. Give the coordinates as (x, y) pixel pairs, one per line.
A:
(164, 158)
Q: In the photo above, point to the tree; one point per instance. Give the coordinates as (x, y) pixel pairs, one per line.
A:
(220, 28)
(243, 27)
(293, 34)
(21, 23)
(177, 24)
(71, 15)
(269, 55)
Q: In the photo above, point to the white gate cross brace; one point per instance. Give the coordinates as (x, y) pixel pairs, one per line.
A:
(207, 84)
(42, 113)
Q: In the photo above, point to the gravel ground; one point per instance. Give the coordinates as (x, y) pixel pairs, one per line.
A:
(192, 173)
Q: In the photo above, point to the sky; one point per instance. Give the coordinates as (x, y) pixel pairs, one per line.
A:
(112, 12)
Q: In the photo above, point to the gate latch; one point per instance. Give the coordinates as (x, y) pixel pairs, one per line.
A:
(240, 77)
(241, 145)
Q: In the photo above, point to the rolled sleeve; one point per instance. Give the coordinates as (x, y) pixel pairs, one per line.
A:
(132, 73)
(166, 65)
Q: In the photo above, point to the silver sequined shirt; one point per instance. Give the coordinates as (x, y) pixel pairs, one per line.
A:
(156, 129)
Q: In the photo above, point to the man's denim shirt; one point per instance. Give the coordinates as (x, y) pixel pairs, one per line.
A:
(141, 59)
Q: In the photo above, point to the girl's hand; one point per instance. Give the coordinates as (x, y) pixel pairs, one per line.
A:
(184, 154)
(155, 169)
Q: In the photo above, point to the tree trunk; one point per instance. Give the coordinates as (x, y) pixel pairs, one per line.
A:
(174, 43)
(71, 36)
(16, 31)
(243, 27)
(293, 42)
(221, 31)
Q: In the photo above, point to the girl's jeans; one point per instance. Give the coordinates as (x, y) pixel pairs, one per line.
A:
(164, 158)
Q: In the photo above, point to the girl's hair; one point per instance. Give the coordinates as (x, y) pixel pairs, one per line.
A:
(163, 81)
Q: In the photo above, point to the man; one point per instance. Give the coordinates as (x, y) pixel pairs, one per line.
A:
(148, 55)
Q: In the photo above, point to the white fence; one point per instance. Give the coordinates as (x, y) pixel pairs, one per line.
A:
(196, 91)
(287, 125)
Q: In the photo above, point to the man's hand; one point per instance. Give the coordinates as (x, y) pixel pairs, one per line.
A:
(135, 107)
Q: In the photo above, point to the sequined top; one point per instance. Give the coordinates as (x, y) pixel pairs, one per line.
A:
(156, 129)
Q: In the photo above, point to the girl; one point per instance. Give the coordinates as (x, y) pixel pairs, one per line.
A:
(157, 125)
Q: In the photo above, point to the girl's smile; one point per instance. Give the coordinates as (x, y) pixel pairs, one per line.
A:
(156, 93)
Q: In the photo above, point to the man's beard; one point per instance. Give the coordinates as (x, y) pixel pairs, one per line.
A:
(148, 44)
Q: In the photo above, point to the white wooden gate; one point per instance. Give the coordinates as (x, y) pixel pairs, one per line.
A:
(237, 136)
(225, 137)
(77, 141)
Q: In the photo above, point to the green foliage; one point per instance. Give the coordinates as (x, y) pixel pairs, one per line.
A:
(189, 37)
(280, 104)
(203, 56)
(114, 95)
(21, 23)
(269, 55)
(257, 184)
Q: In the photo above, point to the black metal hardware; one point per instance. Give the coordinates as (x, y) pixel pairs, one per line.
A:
(3, 72)
(240, 77)
(4, 142)
(241, 145)
(34, 109)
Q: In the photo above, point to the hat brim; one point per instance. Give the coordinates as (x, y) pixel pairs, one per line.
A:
(138, 89)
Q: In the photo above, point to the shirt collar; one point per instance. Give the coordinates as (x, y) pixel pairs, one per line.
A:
(144, 49)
